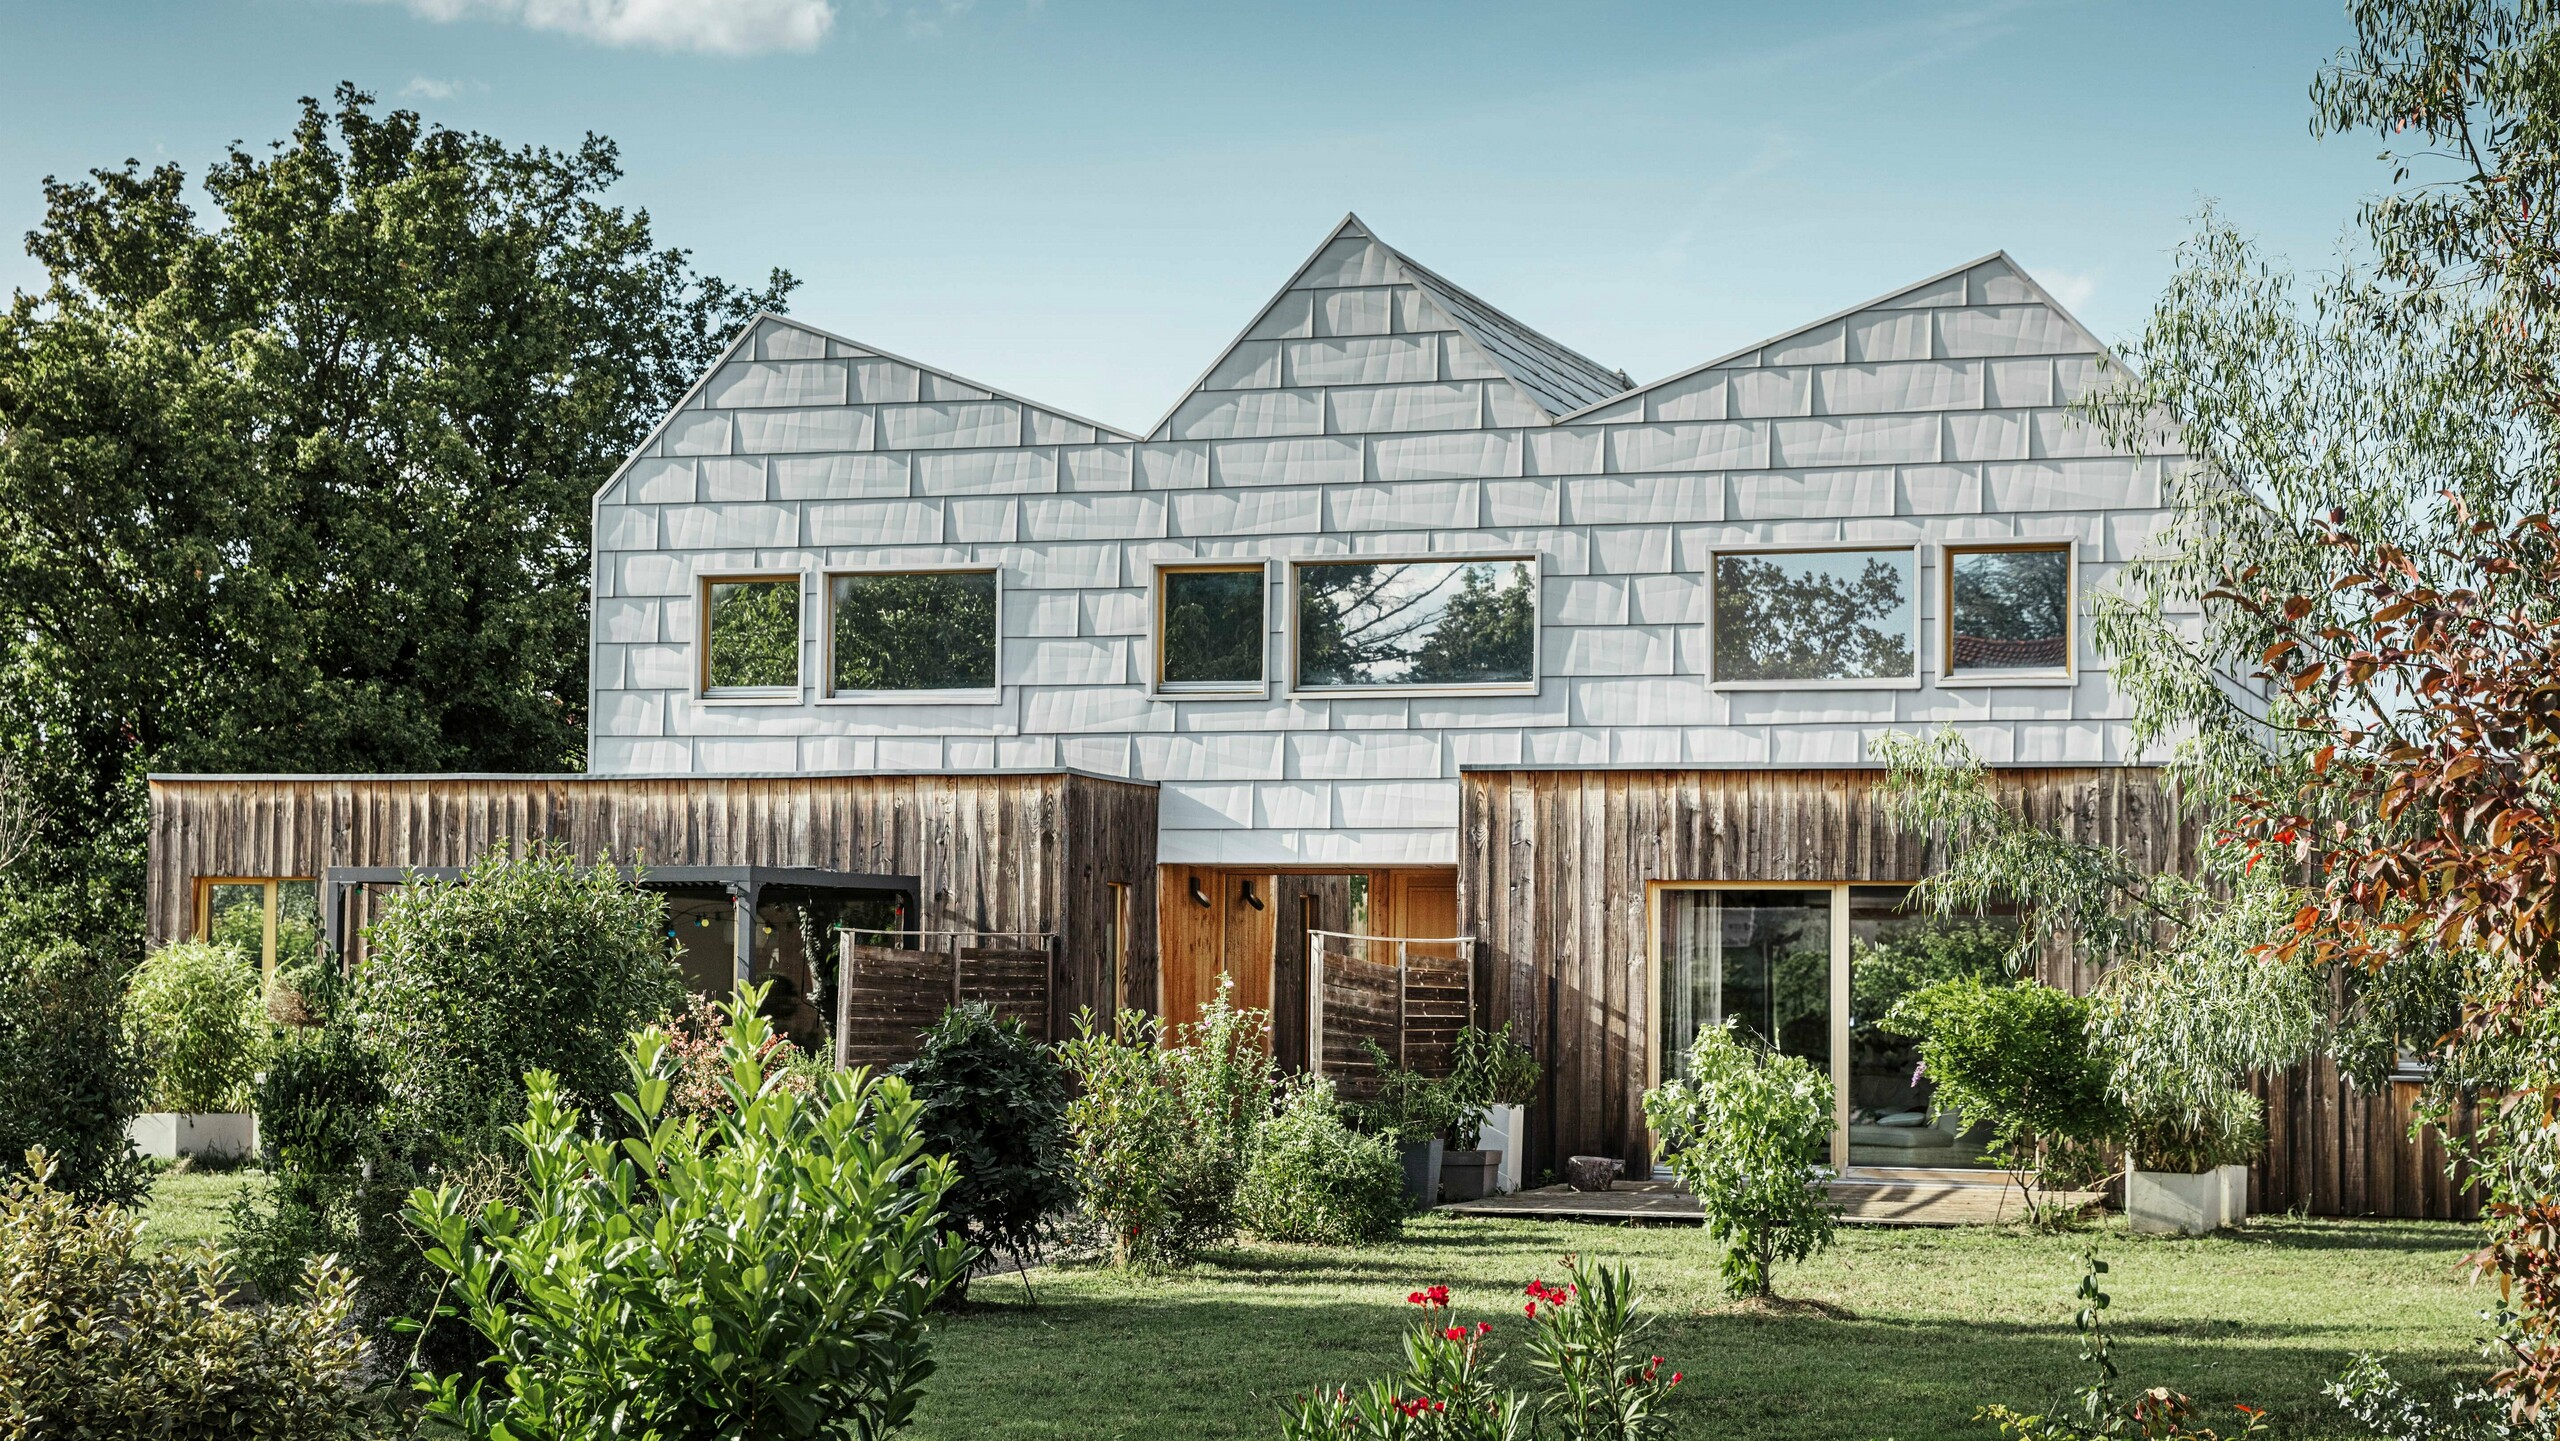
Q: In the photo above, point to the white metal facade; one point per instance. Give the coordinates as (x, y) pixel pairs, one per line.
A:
(1372, 408)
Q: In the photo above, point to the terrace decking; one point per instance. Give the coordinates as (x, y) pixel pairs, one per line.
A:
(1863, 1200)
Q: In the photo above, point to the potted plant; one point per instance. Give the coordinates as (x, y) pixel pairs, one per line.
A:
(1491, 1079)
(2187, 1175)
(194, 1013)
(1416, 1112)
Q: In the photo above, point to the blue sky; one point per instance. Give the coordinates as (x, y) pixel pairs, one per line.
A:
(1082, 200)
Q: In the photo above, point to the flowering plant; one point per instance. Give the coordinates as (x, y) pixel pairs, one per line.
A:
(1584, 1341)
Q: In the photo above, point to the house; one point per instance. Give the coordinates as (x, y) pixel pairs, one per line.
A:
(1411, 666)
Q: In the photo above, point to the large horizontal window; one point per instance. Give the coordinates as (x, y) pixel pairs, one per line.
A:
(751, 637)
(1209, 628)
(1824, 616)
(2008, 611)
(927, 634)
(1370, 623)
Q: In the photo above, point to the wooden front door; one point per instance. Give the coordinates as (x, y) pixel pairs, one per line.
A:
(1201, 944)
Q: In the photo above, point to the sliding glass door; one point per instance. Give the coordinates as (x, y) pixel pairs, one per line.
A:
(1813, 970)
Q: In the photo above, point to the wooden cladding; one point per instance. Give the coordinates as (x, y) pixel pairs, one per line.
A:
(890, 995)
(1553, 875)
(995, 853)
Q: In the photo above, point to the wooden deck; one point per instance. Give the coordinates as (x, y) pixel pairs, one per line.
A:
(1864, 1201)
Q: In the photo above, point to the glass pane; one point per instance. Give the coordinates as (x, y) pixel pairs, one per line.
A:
(755, 635)
(1892, 953)
(1416, 623)
(1818, 615)
(1213, 627)
(297, 921)
(934, 631)
(1758, 958)
(2012, 610)
(795, 952)
(237, 917)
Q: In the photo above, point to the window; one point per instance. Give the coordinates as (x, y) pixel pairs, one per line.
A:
(1831, 616)
(265, 920)
(2008, 612)
(914, 635)
(751, 638)
(1461, 624)
(1115, 948)
(1209, 628)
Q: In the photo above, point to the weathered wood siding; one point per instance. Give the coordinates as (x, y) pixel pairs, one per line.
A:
(1013, 852)
(1553, 869)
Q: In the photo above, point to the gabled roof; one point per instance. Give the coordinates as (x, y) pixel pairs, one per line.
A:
(1925, 291)
(751, 343)
(1551, 376)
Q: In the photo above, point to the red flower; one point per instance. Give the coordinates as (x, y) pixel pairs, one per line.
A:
(1414, 1300)
(1455, 1333)
(1439, 1295)
(1483, 1326)
(1530, 1310)
(1675, 1378)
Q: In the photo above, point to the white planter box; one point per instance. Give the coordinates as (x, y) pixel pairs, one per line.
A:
(1506, 1130)
(2235, 1193)
(167, 1135)
(2173, 1203)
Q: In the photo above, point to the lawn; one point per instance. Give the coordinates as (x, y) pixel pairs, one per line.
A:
(189, 1207)
(1940, 1322)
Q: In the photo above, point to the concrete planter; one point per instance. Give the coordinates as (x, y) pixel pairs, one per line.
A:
(213, 1135)
(1468, 1175)
(1505, 1132)
(1421, 1172)
(2174, 1203)
(2235, 1193)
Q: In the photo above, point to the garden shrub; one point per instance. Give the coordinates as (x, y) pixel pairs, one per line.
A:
(69, 1082)
(1160, 1135)
(2386, 1407)
(518, 965)
(760, 1272)
(107, 1338)
(1584, 1343)
(1407, 1107)
(193, 1014)
(995, 1102)
(1747, 1132)
(697, 1064)
(2018, 1056)
(1316, 1180)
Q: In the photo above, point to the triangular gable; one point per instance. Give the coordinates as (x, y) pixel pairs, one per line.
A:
(2011, 312)
(761, 366)
(1357, 315)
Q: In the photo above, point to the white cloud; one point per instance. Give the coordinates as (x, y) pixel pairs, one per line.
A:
(427, 87)
(713, 27)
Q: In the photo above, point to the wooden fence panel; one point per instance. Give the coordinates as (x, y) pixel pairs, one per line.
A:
(887, 999)
(1014, 982)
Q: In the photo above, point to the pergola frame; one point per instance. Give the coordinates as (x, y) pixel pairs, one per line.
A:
(745, 885)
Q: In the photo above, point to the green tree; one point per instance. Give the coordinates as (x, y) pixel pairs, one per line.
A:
(1485, 634)
(302, 483)
(1747, 1131)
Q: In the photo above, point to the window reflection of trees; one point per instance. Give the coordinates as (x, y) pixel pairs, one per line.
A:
(1213, 627)
(920, 631)
(2012, 609)
(755, 635)
(1819, 616)
(1416, 623)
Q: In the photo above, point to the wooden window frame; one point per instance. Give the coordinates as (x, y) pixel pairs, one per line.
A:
(1910, 682)
(270, 886)
(975, 695)
(1537, 624)
(1257, 689)
(703, 690)
(2070, 672)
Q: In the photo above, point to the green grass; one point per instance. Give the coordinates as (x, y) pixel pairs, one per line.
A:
(1942, 1321)
(189, 1207)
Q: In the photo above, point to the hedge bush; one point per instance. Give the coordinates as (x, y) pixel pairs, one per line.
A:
(995, 1102)
(517, 965)
(107, 1338)
(1747, 1132)
(194, 1014)
(69, 1083)
(760, 1273)
(1316, 1180)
